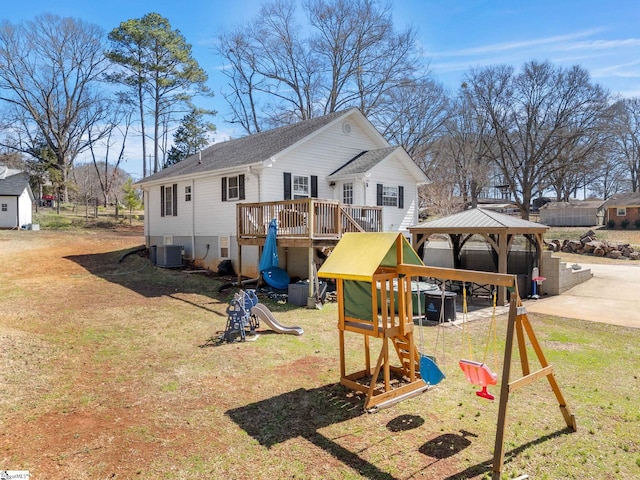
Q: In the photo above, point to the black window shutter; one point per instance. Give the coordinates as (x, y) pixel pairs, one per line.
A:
(241, 187)
(400, 197)
(175, 199)
(224, 189)
(287, 185)
(379, 194)
(314, 186)
(162, 201)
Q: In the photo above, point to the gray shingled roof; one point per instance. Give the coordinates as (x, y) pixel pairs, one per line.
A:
(14, 185)
(623, 200)
(480, 219)
(363, 162)
(246, 150)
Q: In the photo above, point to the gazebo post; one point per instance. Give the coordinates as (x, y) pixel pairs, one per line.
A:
(502, 265)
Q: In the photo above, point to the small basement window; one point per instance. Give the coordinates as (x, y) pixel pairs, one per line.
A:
(224, 247)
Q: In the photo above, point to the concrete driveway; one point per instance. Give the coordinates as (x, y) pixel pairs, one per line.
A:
(612, 296)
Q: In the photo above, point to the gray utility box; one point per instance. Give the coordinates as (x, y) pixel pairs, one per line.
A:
(168, 256)
(298, 293)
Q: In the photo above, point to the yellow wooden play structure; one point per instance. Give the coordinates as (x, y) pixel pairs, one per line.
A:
(375, 274)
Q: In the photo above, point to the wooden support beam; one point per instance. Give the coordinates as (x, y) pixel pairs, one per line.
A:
(469, 276)
(498, 450)
(519, 325)
(530, 378)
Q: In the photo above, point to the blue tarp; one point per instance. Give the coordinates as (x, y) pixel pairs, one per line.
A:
(269, 257)
(272, 274)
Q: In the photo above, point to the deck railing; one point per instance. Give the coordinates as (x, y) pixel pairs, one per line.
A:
(307, 218)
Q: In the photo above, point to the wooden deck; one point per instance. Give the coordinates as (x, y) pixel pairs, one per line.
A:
(307, 222)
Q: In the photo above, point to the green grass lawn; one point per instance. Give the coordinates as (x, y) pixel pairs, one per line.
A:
(104, 376)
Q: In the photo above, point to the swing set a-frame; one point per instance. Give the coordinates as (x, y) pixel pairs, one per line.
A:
(375, 274)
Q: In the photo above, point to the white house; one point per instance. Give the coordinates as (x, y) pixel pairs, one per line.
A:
(318, 178)
(16, 198)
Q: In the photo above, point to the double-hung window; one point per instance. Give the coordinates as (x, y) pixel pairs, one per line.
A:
(169, 200)
(389, 196)
(347, 193)
(300, 186)
(233, 188)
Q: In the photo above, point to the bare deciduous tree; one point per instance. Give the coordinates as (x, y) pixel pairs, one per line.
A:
(468, 145)
(49, 68)
(536, 116)
(414, 115)
(108, 174)
(627, 138)
(348, 55)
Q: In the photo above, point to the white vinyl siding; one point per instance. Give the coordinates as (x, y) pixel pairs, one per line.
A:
(320, 155)
(208, 219)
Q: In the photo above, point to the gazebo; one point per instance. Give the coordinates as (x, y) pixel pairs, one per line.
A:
(497, 229)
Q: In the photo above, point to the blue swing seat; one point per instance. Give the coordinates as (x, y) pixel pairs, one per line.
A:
(429, 371)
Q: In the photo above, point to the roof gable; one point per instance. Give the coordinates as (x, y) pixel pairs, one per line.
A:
(365, 161)
(14, 184)
(256, 148)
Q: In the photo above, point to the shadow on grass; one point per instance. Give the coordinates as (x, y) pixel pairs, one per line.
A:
(446, 445)
(301, 413)
(487, 465)
(133, 270)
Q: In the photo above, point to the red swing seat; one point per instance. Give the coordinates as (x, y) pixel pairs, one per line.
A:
(479, 374)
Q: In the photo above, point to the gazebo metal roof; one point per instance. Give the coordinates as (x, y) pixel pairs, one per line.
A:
(496, 228)
(478, 220)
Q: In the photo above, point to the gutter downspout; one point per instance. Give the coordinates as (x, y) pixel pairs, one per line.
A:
(193, 219)
(147, 218)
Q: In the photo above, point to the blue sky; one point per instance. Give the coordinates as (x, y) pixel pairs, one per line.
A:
(601, 36)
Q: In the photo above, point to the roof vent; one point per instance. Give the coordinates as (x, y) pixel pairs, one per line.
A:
(346, 128)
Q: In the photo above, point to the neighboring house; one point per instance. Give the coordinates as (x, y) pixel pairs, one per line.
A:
(623, 209)
(575, 213)
(319, 178)
(16, 198)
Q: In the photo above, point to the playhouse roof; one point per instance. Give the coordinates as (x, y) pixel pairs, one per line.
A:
(358, 255)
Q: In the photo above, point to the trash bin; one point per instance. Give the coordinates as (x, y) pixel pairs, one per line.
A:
(433, 305)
